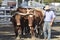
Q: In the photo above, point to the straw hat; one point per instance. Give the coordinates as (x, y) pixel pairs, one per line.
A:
(47, 7)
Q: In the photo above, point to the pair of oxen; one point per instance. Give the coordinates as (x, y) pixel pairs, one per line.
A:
(32, 18)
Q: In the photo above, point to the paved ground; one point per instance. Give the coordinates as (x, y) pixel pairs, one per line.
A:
(7, 33)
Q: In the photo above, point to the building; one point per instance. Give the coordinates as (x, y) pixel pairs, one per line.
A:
(5, 10)
(8, 5)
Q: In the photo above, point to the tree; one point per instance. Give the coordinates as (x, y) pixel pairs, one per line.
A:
(0, 2)
(20, 1)
(36, 0)
(56, 0)
(47, 1)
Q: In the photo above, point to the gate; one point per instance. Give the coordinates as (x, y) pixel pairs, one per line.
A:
(5, 16)
(5, 9)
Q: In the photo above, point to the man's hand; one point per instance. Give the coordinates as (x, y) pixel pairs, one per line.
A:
(51, 23)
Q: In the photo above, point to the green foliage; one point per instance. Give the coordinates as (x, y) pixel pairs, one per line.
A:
(45, 1)
(20, 1)
(57, 0)
(0, 1)
(36, 0)
(49, 1)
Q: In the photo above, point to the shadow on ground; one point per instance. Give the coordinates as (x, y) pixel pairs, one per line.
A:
(55, 34)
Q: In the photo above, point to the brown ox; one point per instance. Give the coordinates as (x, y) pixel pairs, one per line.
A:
(34, 17)
(16, 19)
(39, 20)
(36, 21)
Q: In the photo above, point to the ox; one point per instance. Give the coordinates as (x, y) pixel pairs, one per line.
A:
(33, 16)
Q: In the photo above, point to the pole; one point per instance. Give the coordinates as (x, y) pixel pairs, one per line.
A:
(23, 1)
(39, 1)
(42, 1)
(16, 3)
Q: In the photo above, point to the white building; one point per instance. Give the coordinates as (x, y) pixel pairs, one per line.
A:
(4, 2)
(5, 10)
(11, 2)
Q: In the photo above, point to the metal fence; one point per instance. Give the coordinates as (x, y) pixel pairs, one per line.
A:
(5, 16)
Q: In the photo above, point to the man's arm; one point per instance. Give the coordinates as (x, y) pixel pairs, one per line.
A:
(52, 21)
(53, 18)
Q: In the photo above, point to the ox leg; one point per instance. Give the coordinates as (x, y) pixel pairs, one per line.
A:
(30, 19)
(15, 30)
(18, 27)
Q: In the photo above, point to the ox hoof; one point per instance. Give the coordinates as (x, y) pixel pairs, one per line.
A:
(33, 38)
(17, 38)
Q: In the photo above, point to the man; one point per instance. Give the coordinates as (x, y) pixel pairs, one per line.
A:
(48, 21)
